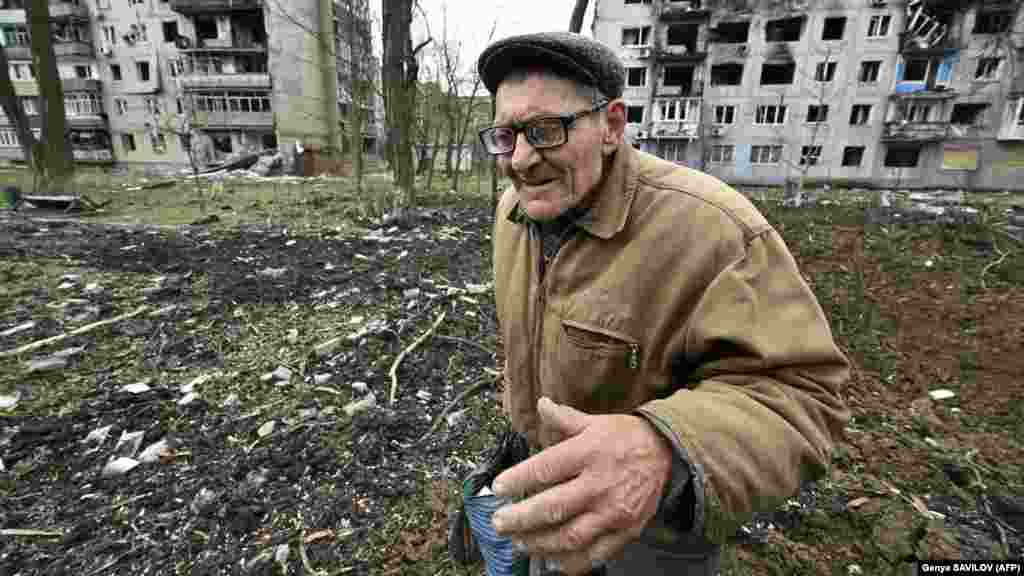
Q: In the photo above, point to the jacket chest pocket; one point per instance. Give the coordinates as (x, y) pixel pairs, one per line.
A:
(595, 368)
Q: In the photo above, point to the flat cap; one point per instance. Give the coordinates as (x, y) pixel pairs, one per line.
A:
(569, 55)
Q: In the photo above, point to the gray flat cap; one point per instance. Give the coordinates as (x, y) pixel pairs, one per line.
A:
(573, 56)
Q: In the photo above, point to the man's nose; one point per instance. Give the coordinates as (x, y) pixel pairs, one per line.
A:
(524, 155)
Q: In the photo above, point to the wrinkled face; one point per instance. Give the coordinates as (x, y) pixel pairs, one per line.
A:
(552, 180)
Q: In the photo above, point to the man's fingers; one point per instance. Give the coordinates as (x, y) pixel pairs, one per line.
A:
(556, 505)
(576, 535)
(565, 419)
(555, 465)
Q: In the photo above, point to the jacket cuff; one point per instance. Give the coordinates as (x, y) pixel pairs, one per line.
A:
(680, 499)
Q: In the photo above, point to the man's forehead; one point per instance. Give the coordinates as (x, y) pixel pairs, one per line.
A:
(535, 95)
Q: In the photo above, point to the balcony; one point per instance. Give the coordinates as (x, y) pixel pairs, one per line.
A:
(68, 11)
(230, 120)
(675, 129)
(915, 131)
(680, 54)
(18, 52)
(205, 81)
(99, 156)
(73, 49)
(25, 87)
(82, 84)
(86, 121)
(729, 52)
(207, 6)
(682, 11)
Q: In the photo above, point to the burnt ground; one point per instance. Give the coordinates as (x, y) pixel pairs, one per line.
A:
(228, 393)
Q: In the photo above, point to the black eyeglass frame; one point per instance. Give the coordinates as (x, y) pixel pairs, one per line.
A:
(567, 120)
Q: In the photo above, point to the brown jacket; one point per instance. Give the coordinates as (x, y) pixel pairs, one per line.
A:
(677, 301)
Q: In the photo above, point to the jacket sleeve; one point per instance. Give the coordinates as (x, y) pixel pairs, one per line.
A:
(761, 407)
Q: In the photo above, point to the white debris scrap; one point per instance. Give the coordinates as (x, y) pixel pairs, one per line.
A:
(942, 394)
(119, 466)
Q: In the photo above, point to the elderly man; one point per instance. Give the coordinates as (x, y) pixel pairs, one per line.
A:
(664, 358)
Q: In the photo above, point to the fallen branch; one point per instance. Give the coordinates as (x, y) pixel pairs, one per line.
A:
(1002, 256)
(29, 533)
(77, 331)
(394, 367)
(469, 343)
(467, 393)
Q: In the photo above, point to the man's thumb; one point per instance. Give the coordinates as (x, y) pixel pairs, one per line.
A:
(565, 420)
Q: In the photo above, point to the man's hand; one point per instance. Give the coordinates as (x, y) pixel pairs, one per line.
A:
(595, 490)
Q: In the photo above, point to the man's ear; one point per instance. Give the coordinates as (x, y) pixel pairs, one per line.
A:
(615, 116)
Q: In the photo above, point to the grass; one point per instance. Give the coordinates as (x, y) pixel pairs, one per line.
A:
(856, 268)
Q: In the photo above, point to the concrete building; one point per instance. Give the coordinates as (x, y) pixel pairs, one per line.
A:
(918, 93)
(148, 82)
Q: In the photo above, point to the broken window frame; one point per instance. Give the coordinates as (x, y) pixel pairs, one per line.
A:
(770, 68)
(630, 108)
(860, 114)
(926, 71)
(992, 21)
(770, 114)
(142, 71)
(169, 26)
(918, 112)
(780, 29)
(685, 78)
(848, 151)
(735, 25)
(643, 36)
(879, 26)
(724, 114)
(716, 80)
(677, 147)
(810, 155)
(872, 66)
(1020, 112)
(766, 154)
(115, 73)
(825, 28)
(121, 105)
(825, 71)
(817, 113)
(988, 69)
(641, 71)
(158, 142)
(975, 115)
(890, 161)
(722, 154)
(128, 142)
(689, 41)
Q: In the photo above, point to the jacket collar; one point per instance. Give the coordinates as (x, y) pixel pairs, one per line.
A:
(613, 198)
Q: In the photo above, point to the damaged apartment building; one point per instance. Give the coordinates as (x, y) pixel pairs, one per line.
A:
(882, 93)
(169, 82)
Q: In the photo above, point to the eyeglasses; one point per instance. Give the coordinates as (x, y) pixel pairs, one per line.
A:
(541, 132)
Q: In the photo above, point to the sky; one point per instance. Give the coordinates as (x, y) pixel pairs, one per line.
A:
(469, 21)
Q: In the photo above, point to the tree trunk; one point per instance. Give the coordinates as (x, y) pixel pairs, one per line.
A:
(400, 73)
(576, 20)
(357, 91)
(59, 164)
(16, 115)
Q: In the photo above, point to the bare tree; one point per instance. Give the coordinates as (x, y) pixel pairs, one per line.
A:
(49, 157)
(399, 74)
